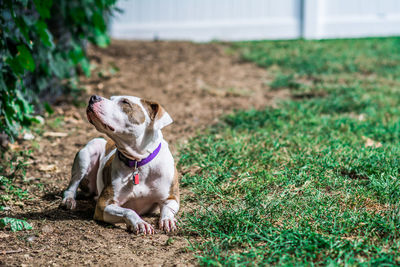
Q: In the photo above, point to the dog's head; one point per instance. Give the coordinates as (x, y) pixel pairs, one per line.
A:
(133, 123)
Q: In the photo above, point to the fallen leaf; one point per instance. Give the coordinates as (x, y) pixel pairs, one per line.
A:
(361, 117)
(19, 203)
(14, 147)
(55, 134)
(76, 115)
(48, 168)
(71, 120)
(4, 235)
(31, 178)
(371, 143)
(58, 110)
(30, 161)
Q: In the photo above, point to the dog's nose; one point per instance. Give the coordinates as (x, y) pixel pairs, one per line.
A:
(94, 98)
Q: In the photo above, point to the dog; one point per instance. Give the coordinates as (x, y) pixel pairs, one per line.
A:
(134, 172)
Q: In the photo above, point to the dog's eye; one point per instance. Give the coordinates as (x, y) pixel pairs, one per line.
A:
(125, 101)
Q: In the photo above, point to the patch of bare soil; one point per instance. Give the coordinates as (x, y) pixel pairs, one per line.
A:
(196, 83)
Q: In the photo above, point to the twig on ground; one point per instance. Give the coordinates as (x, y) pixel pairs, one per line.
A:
(4, 252)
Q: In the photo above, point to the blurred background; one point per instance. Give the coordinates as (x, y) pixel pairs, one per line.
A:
(233, 20)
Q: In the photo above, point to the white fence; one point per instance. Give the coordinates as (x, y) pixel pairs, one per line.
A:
(205, 20)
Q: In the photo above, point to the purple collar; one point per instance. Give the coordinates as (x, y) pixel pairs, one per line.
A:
(134, 163)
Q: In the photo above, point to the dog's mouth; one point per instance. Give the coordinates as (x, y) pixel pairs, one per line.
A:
(92, 118)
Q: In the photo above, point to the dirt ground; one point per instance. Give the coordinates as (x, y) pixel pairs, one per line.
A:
(196, 83)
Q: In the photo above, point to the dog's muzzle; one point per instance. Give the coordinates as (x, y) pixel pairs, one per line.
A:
(94, 99)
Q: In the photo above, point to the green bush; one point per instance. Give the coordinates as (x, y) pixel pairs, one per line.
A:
(41, 44)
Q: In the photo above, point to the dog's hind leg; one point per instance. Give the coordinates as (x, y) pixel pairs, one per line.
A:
(84, 169)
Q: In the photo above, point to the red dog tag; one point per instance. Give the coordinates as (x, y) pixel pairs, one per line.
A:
(136, 178)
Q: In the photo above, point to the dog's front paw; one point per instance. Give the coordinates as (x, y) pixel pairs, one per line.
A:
(141, 227)
(168, 224)
(68, 203)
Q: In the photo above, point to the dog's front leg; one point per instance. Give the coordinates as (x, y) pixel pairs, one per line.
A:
(108, 210)
(168, 209)
(115, 214)
(170, 206)
(86, 161)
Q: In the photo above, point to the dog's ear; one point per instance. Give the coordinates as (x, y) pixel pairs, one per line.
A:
(159, 117)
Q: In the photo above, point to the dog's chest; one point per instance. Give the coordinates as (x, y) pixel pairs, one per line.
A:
(149, 189)
(153, 186)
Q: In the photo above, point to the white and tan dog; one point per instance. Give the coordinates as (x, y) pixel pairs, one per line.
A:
(132, 173)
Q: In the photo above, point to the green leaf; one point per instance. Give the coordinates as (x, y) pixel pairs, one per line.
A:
(17, 111)
(76, 54)
(22, 26)
(44, 34)
(59, 66)
(15, 224)
(101, 38)
(109, 2)
(15, 65)
(26, 107)
(48, 108)
(78, 15)
(85, 65)
(43, 7)
(25, 58)
(98, 22)
(12, 128)
(29, 20)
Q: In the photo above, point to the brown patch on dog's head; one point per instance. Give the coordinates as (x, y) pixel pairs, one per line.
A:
(154, 109)
(133, 111)
(158, 116)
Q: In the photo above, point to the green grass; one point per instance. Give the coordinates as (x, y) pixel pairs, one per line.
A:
(314, 181)
(12, 168)
(365, 56)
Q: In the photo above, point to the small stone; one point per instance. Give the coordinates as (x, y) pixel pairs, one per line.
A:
(31, 238)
